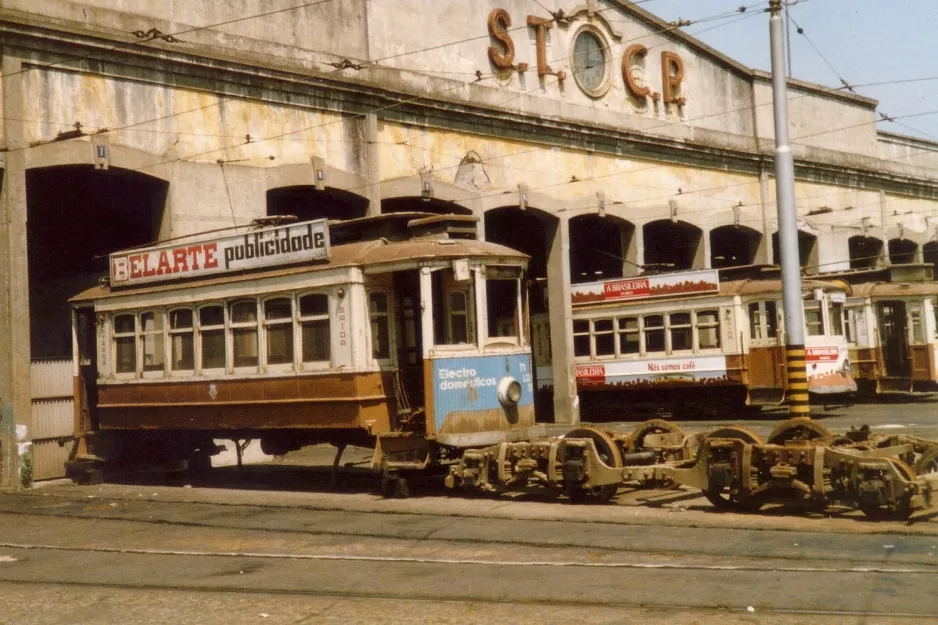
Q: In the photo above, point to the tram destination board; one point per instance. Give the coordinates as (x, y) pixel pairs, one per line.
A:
(266, 247)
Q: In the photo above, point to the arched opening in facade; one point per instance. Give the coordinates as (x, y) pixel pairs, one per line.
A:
(76, 217)
(306, 202)
(865, 252)
(672, 246)
(733, 246)
(902, 251)
(535, 233)
(601, 248)
(930, 255)
(420, 205)
(807, 251)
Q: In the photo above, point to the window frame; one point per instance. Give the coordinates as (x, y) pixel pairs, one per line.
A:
(200, 329)
(715, 324)
(289, 321)
(160, 339)
(388, 319)
(313, 365)
(232, 328)
(172, 333)
(115, 335)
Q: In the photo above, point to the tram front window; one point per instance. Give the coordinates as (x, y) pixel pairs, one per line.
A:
(453, 309)
(244, 333)
(501, 293)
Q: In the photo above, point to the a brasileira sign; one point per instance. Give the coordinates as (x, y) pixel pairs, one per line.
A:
(278, 245)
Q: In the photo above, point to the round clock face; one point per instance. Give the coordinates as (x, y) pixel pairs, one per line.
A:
(589, 62)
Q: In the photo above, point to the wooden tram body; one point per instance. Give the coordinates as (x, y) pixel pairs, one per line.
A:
(893, 336)
(406, 334)
(693, 344)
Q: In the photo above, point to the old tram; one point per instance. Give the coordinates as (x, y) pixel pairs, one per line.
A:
(401, 332)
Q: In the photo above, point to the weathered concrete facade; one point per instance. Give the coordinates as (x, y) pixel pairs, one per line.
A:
(238, 102)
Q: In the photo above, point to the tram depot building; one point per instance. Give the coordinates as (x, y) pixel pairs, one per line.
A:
(594, 137)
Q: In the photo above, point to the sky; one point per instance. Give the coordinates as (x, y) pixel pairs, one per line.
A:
(864, 41)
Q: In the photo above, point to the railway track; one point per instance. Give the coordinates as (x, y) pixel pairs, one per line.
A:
(67, 546)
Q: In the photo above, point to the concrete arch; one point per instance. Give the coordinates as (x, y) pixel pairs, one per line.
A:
(442, 192)
(602, 248)
(81, 152)
(303, 174)
(866, 252)
(734, 246)
(903, 251)
(673, 245)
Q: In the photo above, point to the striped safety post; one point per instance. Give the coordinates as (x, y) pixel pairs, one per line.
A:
(797, 370)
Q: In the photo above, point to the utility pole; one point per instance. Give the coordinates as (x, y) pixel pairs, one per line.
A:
(787, 227)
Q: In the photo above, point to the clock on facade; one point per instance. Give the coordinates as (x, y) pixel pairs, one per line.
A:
(589, 63)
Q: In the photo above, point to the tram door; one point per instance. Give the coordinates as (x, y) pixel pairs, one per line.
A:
(87, 354)
(409, 344)
(766, 368)
(918, 346)
(893, 337)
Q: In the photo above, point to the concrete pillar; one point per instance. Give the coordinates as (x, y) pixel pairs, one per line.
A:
(566, 402)
(14, 276)
(764, 252)
(372, 165)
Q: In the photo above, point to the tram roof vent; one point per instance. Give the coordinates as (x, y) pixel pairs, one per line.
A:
(445, 227)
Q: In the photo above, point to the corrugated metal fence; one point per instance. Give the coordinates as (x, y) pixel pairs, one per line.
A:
(53, 422)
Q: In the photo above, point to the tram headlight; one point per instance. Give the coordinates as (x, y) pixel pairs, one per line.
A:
(509, 391)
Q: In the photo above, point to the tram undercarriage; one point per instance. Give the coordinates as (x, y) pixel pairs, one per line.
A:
(802, 463)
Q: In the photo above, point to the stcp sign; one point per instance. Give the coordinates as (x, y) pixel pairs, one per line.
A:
(589, 58)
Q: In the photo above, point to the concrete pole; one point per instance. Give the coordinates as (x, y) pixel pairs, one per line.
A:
(373, 168)
(788, 227)
(15, 401)
(560, 313)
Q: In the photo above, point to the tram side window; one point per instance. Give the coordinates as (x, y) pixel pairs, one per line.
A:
(380, 336)
(708, 329)
(182, 340)
(581, 337)
(244, 333)
(654, 333)
(813, 320)
(604, 337)
(278, 321)
(681, 331)
(125, 343)
(314, 322)
(630, 340)
(151, 340)
(212, 336)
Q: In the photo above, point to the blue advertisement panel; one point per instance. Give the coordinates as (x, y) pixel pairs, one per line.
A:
(465, 386)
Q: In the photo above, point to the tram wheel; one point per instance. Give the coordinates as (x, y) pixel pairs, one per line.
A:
(801, 430)
(609, 454)
(901, 510)
(717, 496)
(653, 426)
(927, 462)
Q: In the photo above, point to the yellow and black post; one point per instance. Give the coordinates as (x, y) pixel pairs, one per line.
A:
(787, 226)
(798, 405)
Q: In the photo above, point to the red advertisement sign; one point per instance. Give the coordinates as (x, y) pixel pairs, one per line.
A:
(620, 289)
(591, 374)
(821, 354)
